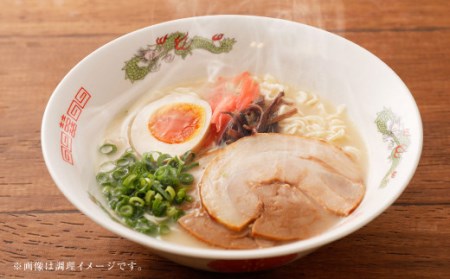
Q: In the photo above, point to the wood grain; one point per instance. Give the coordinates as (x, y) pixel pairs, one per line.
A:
(40, 41)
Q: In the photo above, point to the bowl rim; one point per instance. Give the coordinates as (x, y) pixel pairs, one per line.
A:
(207, 253)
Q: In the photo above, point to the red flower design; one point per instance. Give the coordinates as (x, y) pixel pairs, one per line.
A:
(398, 150)
(181, 42)
(161, 40)
(217, 37)
(250, 265)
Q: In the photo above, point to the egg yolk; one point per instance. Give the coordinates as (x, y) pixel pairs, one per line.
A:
(176, 123)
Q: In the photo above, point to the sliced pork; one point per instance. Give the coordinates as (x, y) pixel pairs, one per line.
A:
(274, 187)
(207, 230)
(197, 172)
(322, 171)
(289, 214)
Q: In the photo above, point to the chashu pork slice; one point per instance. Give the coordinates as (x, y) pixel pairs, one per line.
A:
(329, 154)
(321, 171)
(201, 226)
(197, 173)
(289, 214)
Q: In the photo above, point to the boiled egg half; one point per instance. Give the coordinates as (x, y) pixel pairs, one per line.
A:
(173, 124)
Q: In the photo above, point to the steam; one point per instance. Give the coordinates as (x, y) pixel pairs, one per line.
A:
(310, 12)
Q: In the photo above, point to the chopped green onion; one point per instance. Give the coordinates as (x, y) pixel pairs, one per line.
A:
(126, 160)
(120, 173)
(188, 157)
(135, 187)
(145, 226)
(112, 201)
(142, 191)
(123, 162)
(181, 195)
(106, 190)
(129, 179)
(126, 210)
(108, 148)
(131, 222)
(143, 182)
(162, 158)
(117, 191)
(174, 213)
(171, 192)
(107, 167)
(149, 196)
(190, 166)
(102, 178)
(186, 178)
(158, 187)
(150, 161)
(136, 201)
(159, 207)
(122, 200)
(142, 187)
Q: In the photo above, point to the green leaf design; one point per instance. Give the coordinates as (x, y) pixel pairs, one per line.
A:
(167, 47)
(396, 136)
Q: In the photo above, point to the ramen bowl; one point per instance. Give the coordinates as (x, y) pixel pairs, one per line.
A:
(115, 75)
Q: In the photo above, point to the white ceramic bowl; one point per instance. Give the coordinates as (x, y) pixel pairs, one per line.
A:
(378, 102)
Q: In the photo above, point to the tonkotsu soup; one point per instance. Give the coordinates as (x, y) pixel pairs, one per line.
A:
(243, 162)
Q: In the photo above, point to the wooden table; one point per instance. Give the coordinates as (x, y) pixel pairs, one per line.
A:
(40, 41)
